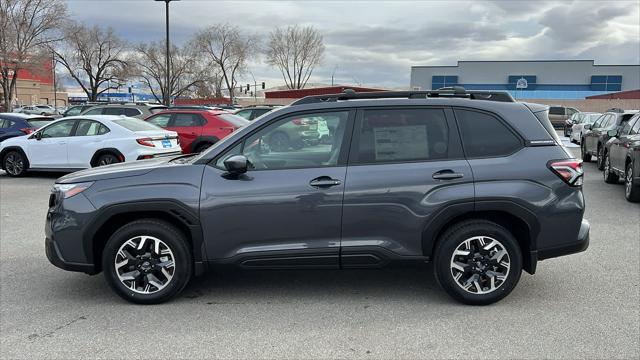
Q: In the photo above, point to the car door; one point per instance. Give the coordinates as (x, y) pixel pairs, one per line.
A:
(89, 136)
(620, 145)
(188, 126)
(48, 147)
(405, 165)
(594, 134)
(286, 210)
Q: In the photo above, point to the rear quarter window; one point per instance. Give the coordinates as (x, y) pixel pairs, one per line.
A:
(484, 135)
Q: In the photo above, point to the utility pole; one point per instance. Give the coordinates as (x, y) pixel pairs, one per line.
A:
(167, 92)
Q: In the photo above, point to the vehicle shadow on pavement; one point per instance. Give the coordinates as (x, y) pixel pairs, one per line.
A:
(307, 286)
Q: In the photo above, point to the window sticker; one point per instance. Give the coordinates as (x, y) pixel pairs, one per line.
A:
(401, 142)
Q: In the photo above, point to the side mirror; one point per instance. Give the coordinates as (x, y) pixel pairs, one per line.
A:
(612, 133)
(37, 135)
(587, 126)
(237, 164)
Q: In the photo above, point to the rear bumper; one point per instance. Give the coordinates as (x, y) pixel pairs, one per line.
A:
(580, 244)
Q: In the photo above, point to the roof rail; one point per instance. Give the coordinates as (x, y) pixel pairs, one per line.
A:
(447, 92)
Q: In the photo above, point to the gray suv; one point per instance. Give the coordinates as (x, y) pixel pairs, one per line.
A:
(472, 182)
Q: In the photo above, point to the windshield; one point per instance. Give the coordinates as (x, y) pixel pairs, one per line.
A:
(136, 124)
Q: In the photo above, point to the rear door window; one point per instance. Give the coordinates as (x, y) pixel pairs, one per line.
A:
(97, 111)
(484, 135)
(398, 135)
(132, 112)
(556, 110)
(182, 120)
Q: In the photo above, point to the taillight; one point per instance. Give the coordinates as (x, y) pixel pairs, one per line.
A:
(569, 170)
(145, 142)
(27, 130)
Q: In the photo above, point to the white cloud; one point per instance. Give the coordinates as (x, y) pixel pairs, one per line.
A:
(376, 42)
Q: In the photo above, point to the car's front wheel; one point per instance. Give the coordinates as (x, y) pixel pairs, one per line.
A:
(147, 261)
(609, 176)
(632, 187)
(600, 158)
(478, 262)
(15, 163)
(586, 157)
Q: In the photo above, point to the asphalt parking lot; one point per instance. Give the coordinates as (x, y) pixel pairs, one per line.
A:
(584, 305)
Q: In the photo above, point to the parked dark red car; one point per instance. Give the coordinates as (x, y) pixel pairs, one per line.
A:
(198, 128)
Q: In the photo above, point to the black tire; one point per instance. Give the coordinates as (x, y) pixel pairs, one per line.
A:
(173, 239)
(456, 236)
(107, 159)
(202, 147)
(279, 142)
(600, 158)
(586, 157)
(567, 132)
(632, 187)
(15, 163)
(609, 176)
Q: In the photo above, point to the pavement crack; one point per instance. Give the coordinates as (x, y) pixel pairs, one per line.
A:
(36, 336)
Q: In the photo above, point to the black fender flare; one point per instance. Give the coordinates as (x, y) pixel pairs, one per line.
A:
(203, 140)
(13, 148)
(453, 213)
(169, 208)
(99, 152)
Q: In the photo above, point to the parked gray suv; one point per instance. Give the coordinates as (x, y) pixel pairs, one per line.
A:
(472, 182)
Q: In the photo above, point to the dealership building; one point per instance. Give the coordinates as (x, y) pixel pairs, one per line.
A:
(544, 79)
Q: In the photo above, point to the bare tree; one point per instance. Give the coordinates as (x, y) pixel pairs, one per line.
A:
(295, 51)
(94, 58)
(227, 49)
(27, 27)
(149, 63)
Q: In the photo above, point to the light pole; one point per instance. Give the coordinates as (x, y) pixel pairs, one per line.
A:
(167, 99)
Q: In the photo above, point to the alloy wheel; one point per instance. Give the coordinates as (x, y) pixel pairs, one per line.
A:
(145, 264)
(599, 159)
(607, 167)
(480, 265)
(106, 160)
(14, 164)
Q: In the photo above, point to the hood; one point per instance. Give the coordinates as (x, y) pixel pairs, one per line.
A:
(121, 170)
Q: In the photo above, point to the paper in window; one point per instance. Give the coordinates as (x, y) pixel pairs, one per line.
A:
(401, 142)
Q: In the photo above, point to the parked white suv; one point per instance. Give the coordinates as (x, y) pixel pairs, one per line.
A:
(82, 142)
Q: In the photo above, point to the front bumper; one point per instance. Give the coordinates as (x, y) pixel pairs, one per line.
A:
(54, 256)
(581, 244)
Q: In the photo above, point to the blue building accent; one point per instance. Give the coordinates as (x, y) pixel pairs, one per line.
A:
(440, 81)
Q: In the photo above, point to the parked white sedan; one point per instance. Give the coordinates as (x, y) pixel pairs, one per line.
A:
(81, 142)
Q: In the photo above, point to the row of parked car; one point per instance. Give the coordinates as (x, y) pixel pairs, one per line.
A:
(90, 135)
(613, 139)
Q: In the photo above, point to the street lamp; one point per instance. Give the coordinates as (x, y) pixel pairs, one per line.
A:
(167, 100)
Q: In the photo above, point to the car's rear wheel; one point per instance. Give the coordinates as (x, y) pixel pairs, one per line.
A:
(107, 159)
(15, 163)
(609, 176)
(203, 147)
(586, 157)
(632, 187)
(600, 158)
(147, 261)
(478, 262)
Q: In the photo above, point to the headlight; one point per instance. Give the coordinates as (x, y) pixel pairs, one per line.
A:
(69, 190)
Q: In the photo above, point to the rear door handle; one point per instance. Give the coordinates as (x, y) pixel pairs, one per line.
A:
(324, 182)
(447, 175)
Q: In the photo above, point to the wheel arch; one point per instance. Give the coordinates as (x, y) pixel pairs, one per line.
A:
(111, 218)
(100, 152)
(17, 148)
(515, 218)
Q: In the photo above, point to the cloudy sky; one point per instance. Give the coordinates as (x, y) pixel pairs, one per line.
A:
(374, 43)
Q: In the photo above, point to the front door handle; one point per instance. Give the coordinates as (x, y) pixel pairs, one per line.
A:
(447, 175)
(324, 182)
